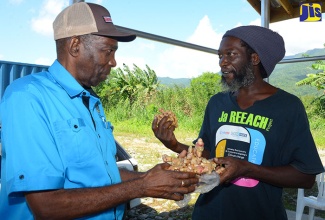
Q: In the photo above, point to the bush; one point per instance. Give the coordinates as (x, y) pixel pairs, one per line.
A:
(134, 112)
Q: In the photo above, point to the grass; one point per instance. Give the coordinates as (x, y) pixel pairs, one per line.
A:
(319, 137)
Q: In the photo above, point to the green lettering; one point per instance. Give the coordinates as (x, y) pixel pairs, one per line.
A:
(238, 116)
(263, 122)
(232, 117)
(243, 117)
(249, 120)
(256, 120)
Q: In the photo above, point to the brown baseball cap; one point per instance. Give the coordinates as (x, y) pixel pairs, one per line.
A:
(87, 18)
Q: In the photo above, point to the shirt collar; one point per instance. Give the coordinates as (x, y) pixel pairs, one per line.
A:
(91, 91)
(65, 79)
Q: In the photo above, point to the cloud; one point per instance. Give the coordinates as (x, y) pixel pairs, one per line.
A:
(137, 52)
(43, 61)
(204, 34)
(146, 45)
(182, 63)
(300, 36)
(42, 24)
(99, 2)
(179, 62)
(129, 61)
(16, 2)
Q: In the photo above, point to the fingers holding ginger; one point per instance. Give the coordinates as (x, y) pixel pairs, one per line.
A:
(192, 161)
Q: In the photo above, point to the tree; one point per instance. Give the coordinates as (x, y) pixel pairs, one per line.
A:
(208, 82)
(202, 88)
(315, 79)
(128, 85)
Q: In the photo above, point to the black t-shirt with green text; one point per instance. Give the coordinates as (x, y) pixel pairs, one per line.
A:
(273, 132)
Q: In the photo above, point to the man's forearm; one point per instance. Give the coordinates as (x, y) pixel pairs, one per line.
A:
(76, 203)
(284, 176)
(129, 175)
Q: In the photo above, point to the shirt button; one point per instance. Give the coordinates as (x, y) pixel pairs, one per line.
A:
(75, 126)
(21, 177)
(99, 135)
(84, 93)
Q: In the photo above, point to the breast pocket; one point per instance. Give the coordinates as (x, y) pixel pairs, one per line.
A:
(76, 141)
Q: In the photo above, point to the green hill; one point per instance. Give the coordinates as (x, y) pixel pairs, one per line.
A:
(167, 81)
(284, 76)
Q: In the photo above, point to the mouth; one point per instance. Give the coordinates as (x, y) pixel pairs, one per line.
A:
(226, 73)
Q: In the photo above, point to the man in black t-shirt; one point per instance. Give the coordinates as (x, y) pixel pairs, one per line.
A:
(258, 132)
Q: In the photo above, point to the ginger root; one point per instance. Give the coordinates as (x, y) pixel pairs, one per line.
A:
(192, 162)
(171, 117)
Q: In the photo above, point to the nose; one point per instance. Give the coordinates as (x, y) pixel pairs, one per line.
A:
(223, 61)
(112, 62)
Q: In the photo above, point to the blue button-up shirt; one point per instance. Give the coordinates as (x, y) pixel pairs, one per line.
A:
(49, 141)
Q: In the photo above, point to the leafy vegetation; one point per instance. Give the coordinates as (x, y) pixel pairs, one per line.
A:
(316, 107)
(286, 76)
(316, 80)
(132, 97)
(128, 86)
(132, 103)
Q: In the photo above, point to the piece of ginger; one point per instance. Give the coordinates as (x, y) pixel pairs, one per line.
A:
(171, 117)
(192, 162)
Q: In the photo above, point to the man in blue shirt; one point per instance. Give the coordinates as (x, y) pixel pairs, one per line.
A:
(58, 149)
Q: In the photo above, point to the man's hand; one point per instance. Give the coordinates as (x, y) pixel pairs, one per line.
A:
(159, 182)
(285, 176)
(233, 168)
(164, 131)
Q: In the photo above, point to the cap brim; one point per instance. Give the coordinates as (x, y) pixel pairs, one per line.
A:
(117, 35)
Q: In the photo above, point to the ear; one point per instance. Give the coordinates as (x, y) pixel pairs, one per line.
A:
(255, 59)
(74, 46)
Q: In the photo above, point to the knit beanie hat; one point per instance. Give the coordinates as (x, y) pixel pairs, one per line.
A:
(268, 44)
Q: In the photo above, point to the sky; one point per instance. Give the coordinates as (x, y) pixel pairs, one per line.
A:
(27, 35)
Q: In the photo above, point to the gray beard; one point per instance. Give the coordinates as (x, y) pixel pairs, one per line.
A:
(243, 78)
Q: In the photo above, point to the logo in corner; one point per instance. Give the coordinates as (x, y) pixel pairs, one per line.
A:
(310, 12)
